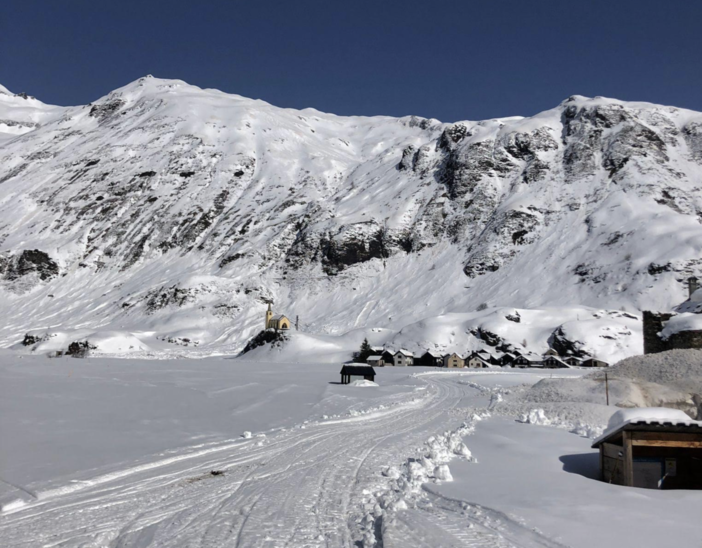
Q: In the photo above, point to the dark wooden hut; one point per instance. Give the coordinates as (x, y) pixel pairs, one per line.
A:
(356, 371)
(661, 452)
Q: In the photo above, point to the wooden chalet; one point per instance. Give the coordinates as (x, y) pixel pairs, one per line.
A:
(552, 362)
(524, 361)
(593, 362)
(484, 354)
(356, 371)
(375, 361)
(573, 361)
(430, 359)
(663, 453)
(507, 359)
(475, 360)
(388, 357)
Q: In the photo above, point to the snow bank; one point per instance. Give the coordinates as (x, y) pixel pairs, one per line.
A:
(677, 369)
(364, 383)
(404, 486)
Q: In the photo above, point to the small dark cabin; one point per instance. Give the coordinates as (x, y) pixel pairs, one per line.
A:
(652, 454)
(355, 372)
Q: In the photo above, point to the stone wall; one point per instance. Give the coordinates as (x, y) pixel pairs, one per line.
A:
(653, 324)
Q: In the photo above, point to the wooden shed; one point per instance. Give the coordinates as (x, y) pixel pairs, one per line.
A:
(355, 372)
(652, 448)
(376, 360)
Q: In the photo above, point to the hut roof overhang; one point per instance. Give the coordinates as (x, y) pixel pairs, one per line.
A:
(357, 369)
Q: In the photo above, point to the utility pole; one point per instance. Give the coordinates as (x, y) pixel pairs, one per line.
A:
(297, 323)
(607, 387)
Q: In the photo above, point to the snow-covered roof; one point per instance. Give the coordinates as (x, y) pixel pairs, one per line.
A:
(654, 416)
(357, 369)
(279, 317)
(405, 352)
(682, 322)
(374, 358)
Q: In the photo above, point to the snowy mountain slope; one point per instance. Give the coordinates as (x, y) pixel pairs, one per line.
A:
(20, 113)
(173, 212)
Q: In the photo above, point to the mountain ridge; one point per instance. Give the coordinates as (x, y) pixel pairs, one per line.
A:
(195, 208)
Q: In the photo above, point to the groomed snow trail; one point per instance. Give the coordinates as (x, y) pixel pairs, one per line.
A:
(303, 487)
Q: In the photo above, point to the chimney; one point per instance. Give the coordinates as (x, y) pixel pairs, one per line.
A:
(692, 285)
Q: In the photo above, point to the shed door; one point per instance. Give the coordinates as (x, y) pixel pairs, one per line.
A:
(647, 473)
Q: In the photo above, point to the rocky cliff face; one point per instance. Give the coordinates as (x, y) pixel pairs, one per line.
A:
(169, 209)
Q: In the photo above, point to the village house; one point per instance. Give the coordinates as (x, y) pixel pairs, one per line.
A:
(551, 352)
(276, 322)
(484, 354)
(593, 362)
(403, 358)
(376, 361)
(506, 359)
(430, 359)
(453, 360)
(652, 448)
(552, 362)
(355, 372)
(475, 360)
(388, 357)
(572, 361)
(523, 361)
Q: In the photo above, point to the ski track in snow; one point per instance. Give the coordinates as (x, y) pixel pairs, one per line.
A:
(301, 487)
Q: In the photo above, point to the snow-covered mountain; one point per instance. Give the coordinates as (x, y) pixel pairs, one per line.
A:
(175, 214)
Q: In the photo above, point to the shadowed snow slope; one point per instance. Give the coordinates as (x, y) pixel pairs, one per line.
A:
(175, 213)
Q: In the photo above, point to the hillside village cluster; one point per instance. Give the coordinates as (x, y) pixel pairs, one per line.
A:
(680, 329)
(476, 359)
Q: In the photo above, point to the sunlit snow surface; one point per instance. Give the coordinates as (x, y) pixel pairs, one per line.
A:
(223, 452)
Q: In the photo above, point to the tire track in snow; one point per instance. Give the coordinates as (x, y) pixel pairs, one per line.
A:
(303, 487)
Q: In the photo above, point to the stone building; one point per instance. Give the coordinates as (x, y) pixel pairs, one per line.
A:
(668, 330)
(454, 360)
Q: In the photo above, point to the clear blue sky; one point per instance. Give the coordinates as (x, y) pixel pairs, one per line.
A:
(447, 60)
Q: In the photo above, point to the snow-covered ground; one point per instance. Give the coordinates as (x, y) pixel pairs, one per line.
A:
(217, 451)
